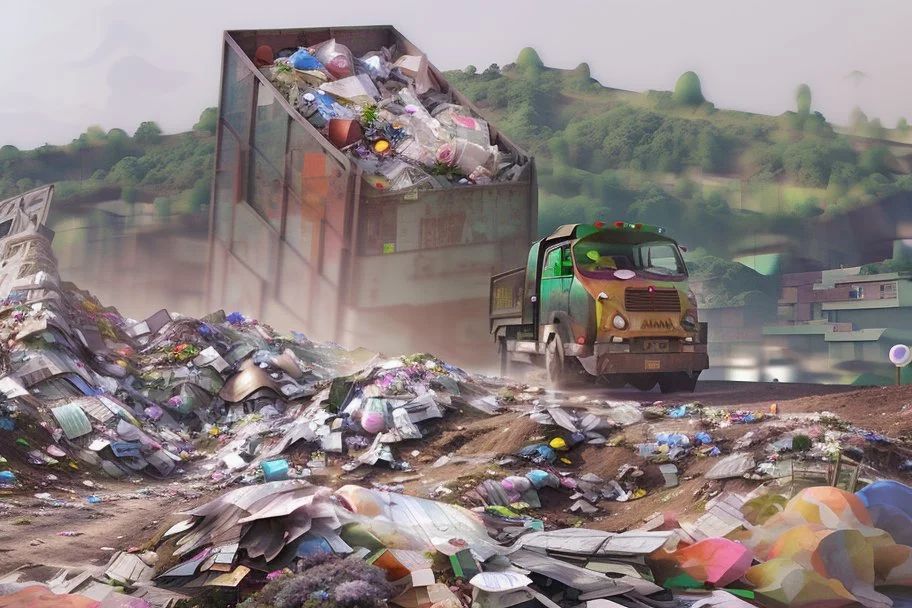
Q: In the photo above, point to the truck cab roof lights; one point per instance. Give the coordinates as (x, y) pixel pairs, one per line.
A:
(599, 224)
(639, 226)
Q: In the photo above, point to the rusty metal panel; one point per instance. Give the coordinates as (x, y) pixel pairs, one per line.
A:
(445, 218)
(359, 40)
(426, 277)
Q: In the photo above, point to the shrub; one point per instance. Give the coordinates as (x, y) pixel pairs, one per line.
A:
(801, 443)
(328, 581)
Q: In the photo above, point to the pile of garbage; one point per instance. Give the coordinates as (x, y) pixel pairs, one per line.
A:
(391, 114)
(278, 541)
(86, 389)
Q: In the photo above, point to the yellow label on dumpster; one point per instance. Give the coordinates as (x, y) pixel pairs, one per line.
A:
(389, 247)
(653, 364)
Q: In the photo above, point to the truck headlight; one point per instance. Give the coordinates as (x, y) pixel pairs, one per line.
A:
(692, 298)
(619, 322)
(689, 323)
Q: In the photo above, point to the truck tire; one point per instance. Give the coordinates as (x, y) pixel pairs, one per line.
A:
(678, 382)
(556, 363)
(643, 382)
(613, 381)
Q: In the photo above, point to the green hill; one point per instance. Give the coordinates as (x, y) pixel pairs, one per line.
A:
(711, 176)
(103, 164)
(673, 158)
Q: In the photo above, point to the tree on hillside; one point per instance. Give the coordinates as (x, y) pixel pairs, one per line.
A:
(208, 121)
(162, 206)
(529, 60)
(559, 148)
(655, 206)
(147, 133)
(583, 71)
(688, 91)
(9, 153)
(471, 70)
(711, 151)
(129, 194)
(858, 119)
(127, 171)
(902, 126)
(95, 134)
(492, 71)
(199, 196)
(874, 129)
(117, 146)
(873, 160)
(803, 98)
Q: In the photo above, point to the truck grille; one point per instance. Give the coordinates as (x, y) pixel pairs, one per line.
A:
(660, 300)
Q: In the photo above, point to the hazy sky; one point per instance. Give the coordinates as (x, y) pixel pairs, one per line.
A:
(72, 63)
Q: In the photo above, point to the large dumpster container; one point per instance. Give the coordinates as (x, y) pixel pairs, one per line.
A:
(302, 239)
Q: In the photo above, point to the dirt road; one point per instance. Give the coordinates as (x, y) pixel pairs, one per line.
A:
(746, 395)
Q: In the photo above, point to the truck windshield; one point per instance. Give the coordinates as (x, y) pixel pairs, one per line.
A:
(601, 259)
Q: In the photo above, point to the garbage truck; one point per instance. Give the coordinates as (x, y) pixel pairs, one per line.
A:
(606, 302)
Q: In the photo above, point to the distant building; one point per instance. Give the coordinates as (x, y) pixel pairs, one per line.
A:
(839, 325)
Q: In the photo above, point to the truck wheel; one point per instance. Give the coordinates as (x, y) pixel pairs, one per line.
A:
(679, 382)
(555, 363)
(613, 381)
(643, 382)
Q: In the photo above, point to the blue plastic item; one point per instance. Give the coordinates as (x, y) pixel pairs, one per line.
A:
(302, 60)
(703, 437)
(93, 499)
(312, 546)
(7, 424)
(678, 412)
(275, 470)
(539, 452)
(7, 477)
(538, 478)
(890, 505)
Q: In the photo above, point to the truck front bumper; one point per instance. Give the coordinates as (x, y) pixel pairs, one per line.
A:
(598, 360)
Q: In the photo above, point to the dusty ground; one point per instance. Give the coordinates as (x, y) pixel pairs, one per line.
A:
(29, 526)
(129, 515)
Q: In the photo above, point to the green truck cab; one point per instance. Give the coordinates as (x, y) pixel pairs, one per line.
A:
(606, 301)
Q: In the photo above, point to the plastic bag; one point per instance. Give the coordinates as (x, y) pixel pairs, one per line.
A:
(336, 58)
(460, 123)
(302, 60)
(376, 64)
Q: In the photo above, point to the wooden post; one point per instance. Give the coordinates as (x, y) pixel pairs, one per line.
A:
(898, 370)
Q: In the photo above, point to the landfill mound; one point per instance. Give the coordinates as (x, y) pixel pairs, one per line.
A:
(349, 479)
(88, 390)
(391, 114)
